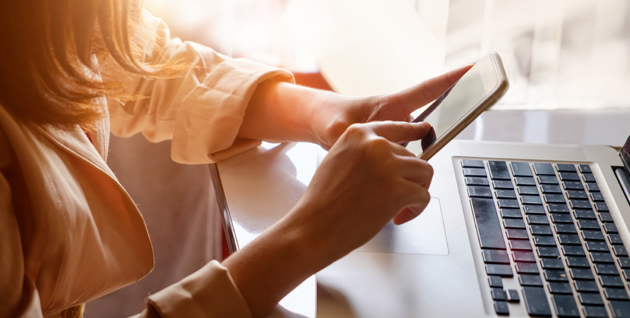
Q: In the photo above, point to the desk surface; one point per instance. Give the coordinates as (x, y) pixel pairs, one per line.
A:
(263, 184)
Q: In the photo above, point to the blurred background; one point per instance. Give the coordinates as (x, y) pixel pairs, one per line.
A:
(559, 54)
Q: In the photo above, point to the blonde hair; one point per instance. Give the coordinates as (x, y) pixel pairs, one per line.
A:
(47, 71)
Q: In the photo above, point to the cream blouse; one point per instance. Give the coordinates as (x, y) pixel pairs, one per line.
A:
(69, 232)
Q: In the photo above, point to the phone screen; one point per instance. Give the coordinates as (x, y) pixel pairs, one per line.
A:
(467, 93)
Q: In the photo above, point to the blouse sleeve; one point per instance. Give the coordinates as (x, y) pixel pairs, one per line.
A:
(209, 292)
(202, 111)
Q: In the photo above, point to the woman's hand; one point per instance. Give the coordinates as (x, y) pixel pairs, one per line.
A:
(366, 179)
(333, 114)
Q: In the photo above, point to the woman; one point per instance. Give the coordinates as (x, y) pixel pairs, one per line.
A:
(69, 233)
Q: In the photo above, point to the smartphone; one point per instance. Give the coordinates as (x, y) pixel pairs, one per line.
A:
(481, 87)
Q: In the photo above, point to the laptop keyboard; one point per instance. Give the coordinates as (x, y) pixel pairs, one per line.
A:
(548, 225)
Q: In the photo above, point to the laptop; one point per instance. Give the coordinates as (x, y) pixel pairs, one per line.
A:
(512, 230)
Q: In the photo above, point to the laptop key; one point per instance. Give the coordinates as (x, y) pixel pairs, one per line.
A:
(580, 204)
(588, 177)
(584, 214)
(572, 185)
(567, 228)
(547, 251)
(569, 176)
(569, 239)
(536, 301)
(561, 218)
(620, 250)
(531, 199)
(489, 229)
(512, 296)
(565, 167)
(605, 217)
(495, 256)
(527, 190)
(597, 196)
(477, 191)
(501, 307)
(526, 268)
(520, 245)
(523, 256)
(558, 207)
(624, 262)
(538, 219)
(601, 257)
(615, 293)
(530, 280)
(573, 250)
(544, 240)
(565, 305)
(593, 235)
(544, 169)
(528, 181)
(610, 227)
(556, 275)
(590, 299)
(499, 270)
(606, 269)
(585, 169)
(578, 261)
(495, 281)
(469, 163)
(534, 209)
(586, 286)
(474, 172)
(514, 223)
(502, 184)
(498, 170)
(626, 273)
(506, 203)
(559, 288)
(577, 194)
(581, 273)
(620, 308)
(548, 180)
(476, 181)
(498, 294)
(592, 187)
(601, 207)
(588, 224)
(537, 229)
(521, 169)
(554, 198)
(516, 234)
(505, 194)
(596, 246)
(511, 213)
(550, 188)
(610, 281)
(595, 312)
(551, 263)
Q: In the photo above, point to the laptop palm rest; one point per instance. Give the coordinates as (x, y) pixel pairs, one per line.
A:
(423, 235)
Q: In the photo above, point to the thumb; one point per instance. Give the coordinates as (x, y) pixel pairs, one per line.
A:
(400, 131)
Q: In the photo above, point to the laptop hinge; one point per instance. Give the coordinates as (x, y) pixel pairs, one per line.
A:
(625, 155)
(622, 177)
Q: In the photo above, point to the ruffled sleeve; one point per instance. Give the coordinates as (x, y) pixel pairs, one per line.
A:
(202, 111)
(209, 292)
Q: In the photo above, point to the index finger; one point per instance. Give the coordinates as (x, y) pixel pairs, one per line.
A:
(429, 90)
(399, 131)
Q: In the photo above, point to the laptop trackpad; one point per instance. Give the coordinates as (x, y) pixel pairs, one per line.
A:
(423, 235)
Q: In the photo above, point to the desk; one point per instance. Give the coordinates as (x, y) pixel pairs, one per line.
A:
(263, 184)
